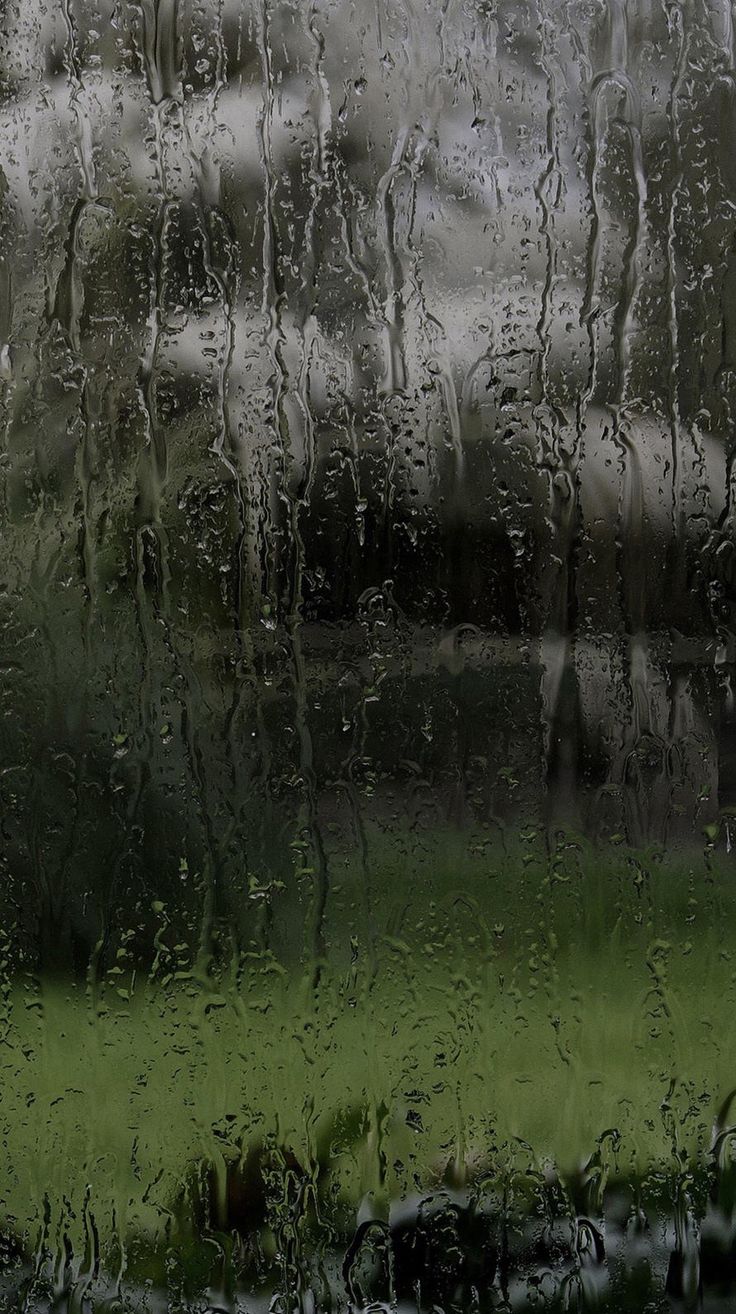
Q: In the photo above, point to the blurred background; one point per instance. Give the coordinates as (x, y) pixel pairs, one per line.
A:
(368, 376)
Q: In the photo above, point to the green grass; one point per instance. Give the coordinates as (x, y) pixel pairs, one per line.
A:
(477, 1013)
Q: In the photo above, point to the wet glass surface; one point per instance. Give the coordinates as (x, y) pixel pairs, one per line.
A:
(368, 739)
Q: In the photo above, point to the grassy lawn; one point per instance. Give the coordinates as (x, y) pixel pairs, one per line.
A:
(477, 1012)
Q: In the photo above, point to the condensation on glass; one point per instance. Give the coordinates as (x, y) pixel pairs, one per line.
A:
(368, 740)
